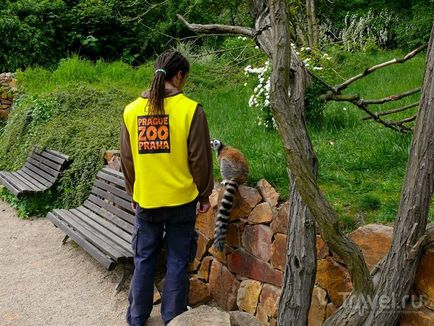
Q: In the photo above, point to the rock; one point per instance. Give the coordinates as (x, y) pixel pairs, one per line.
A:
(374, 240)
(269, 301)
(322, 250)
(205, 223)
(248, 295)
(204, 269)
(334, 278)
(257, 239)
(318, 306)
(223, 286)
(245, 264)
(278, 251)
(157, 295)
(219, 255)
(108, 155)
(281, 219)
(115, 163)
(261, 214)
(420, 316)
(214, 198)
(202, 315)
(246, 198)
(203, 244)
(330, 310)
(233, 237)
(262, 316)
(193, 266)
(198, 292)
(239, 318)
(424, 281)
(268, 193)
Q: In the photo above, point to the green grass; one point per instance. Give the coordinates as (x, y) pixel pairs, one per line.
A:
(77, 109)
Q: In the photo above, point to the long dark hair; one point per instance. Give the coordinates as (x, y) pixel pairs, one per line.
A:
(167, 65)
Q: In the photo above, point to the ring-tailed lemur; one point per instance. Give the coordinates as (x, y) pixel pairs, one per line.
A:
(234, 170)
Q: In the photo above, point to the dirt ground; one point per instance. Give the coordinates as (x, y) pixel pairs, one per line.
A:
(45, 283)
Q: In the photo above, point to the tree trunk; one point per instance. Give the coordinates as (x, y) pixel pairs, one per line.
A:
(300, 268)
(312, 25)
(399, 267)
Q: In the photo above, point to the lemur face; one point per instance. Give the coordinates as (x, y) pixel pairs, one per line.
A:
(216, 145)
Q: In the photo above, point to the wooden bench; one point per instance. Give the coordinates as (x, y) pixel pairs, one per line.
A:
(103, 225)
(41, 170)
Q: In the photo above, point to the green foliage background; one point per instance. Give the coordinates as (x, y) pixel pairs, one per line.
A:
(40, 32)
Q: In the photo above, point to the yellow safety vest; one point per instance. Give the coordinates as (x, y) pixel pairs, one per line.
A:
(160, 153)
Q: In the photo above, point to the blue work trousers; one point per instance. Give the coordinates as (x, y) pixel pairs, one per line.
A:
(176, 224)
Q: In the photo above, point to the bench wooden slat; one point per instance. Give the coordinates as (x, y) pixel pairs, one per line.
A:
(59, 154)
(107, 244)
(31, 180)
(127, 216)
(113, 190)
(113, 172)
(127, 226)
(15, 181)
(55, 166)
(116, 234)
(112, 198)
(37, 177)
(52, 157)
(39, 172)
(110, 178)
(30, 186)
(43, 167)
(102, 258)
(90, 234)
(9, 185)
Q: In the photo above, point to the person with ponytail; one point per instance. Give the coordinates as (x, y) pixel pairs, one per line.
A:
(167, 163)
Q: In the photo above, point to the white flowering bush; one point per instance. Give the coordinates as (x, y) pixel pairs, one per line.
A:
(260, 98)
(361, 32)
(316, 61)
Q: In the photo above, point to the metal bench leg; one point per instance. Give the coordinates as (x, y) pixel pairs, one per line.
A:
(65, 239)
(126, 271)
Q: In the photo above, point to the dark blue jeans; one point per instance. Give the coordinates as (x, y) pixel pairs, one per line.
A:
(176, 224)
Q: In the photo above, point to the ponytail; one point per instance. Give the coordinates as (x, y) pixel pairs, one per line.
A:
(167, 65)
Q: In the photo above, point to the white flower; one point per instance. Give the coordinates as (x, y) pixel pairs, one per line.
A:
(344, 109)
(256, 47)
(245, 84)
(317, 68)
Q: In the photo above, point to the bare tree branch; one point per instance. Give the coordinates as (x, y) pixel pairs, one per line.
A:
(404, 108)
(218, 28)
(369, 70)
(391, 97)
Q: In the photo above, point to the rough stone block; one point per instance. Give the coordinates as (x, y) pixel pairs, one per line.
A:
(278, 251)
(257, 239)
(262, 213)
(281, 219)
(245, 264)
(223, 286)
(248, 295)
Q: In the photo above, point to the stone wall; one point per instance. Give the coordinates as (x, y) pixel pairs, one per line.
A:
(249, 276)
(8, 92)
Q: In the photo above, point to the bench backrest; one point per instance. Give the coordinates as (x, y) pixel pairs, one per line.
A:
(45, 166)
(108, 193)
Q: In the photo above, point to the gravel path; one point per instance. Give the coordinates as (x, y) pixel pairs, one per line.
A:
(45, 283)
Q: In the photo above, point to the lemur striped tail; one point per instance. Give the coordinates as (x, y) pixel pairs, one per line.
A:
(222, 221)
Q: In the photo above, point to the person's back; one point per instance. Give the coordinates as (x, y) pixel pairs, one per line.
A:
(167, 163)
